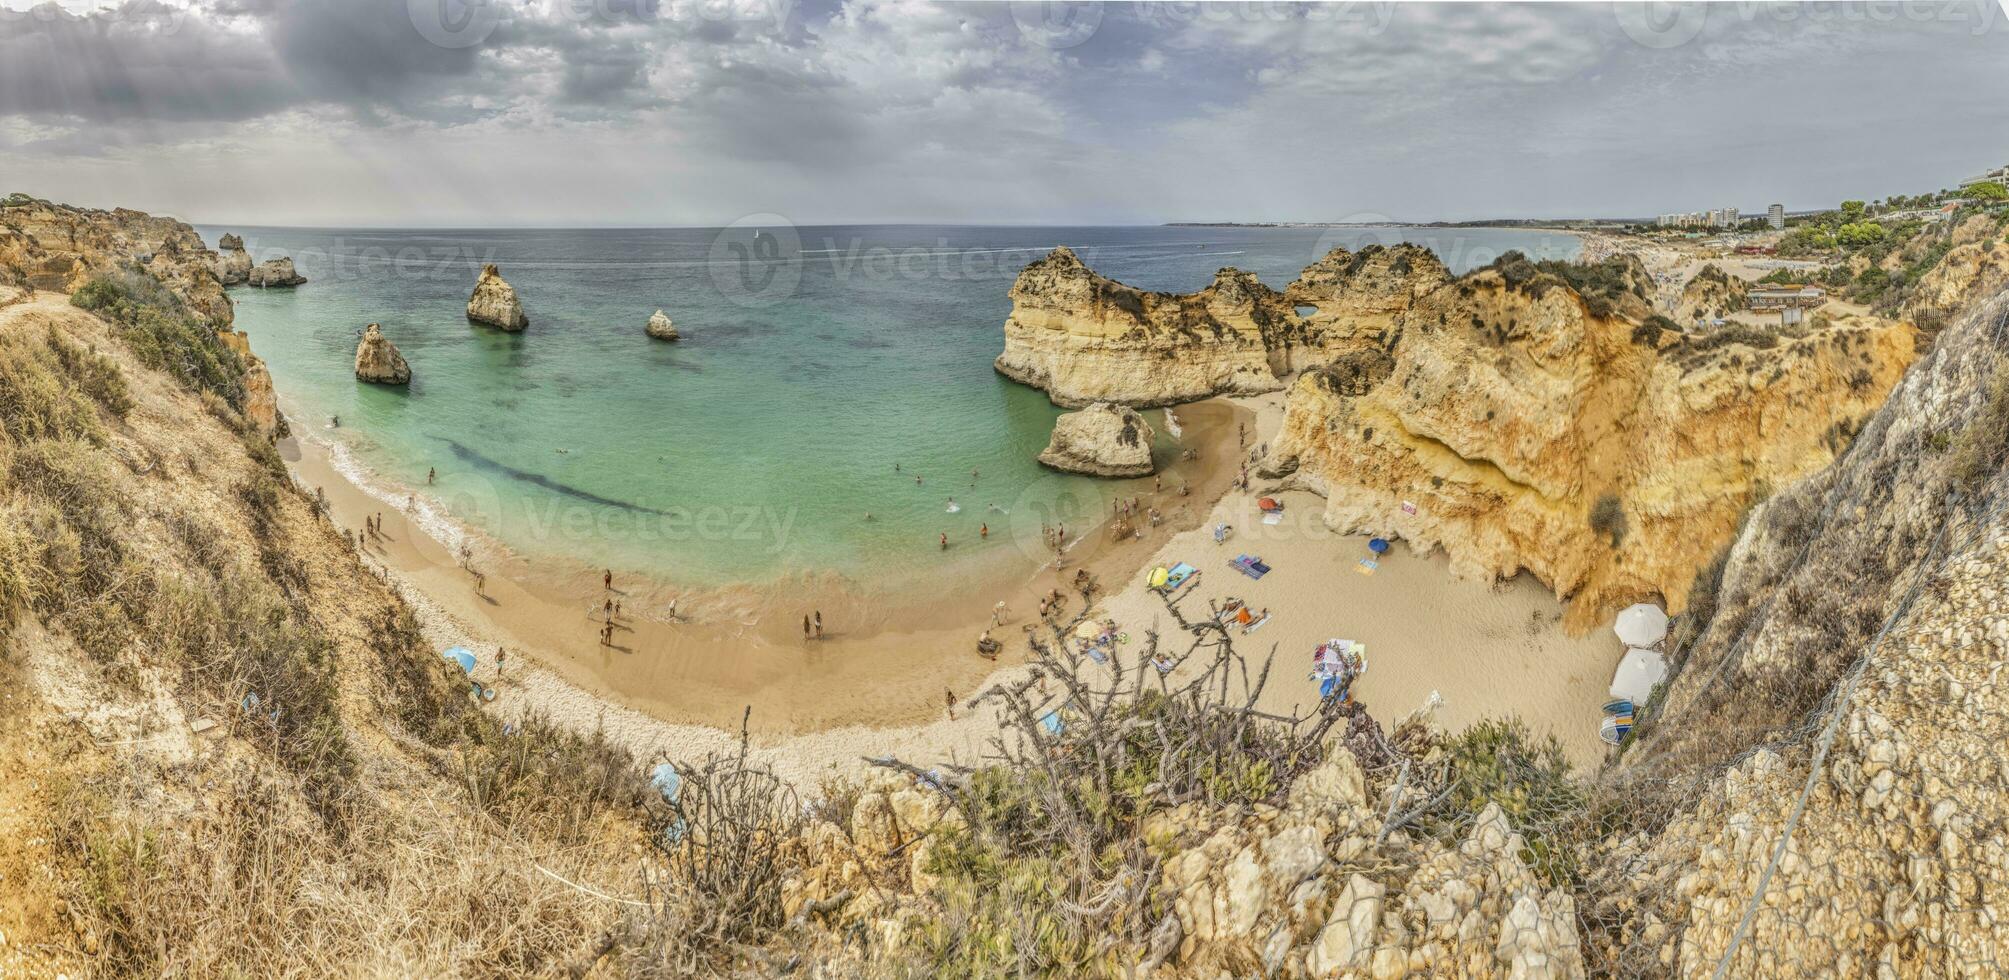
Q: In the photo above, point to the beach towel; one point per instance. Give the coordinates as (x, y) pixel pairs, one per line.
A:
(1274, 517)
(1178, 576)
(1252, 567)
(1367, 566)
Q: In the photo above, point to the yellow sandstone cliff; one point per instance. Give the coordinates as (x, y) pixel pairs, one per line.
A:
(59, 247)
(1084, 338)
(1518, 430)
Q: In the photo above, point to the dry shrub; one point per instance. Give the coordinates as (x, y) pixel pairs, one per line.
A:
(1607, 518)
(247, 885)
(550, 782)
(1979, 451)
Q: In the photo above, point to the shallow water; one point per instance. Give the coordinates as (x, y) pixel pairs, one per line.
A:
(814, 362)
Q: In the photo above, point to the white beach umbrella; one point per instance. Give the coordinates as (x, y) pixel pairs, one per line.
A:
(1637, 674)
(1641, 625)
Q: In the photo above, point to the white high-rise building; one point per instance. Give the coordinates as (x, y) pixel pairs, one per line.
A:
(1776, 216)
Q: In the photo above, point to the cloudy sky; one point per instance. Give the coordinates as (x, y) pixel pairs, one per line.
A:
(698, 112)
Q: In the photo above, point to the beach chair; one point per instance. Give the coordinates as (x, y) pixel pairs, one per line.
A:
(1614, 729)
(1622, 706)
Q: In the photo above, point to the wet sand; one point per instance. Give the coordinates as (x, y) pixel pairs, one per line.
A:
(888, 652)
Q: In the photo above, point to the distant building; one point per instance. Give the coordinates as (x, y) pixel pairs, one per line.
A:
(1776, 216)
(1999, 175)
(1787, 297)
(1717, 218)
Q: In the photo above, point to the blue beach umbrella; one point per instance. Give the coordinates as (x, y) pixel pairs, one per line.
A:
(462, 656)
(1051, 722)
(1378, 545)
(666, 781)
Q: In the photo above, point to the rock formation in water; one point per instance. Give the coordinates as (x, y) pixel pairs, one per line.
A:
(1522, 424)
(1711, 295)
(378, 360)
(1084, 338)
(494, 302)
(233, 263)
(275, 273)
(660, 327)
(1101, 440)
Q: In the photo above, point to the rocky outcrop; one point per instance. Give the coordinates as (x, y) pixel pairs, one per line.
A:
(261, 401)
(1866, 600)
(1101, 440)
(275, 273)
(1967, 273)
(1084, 338)
(378, 360)
(1517, 429)
(233, 263)
(1711, 295)
(494, 302)
(660, 327)
(57, 247)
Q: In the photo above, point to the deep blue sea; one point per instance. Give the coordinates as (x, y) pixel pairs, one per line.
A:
(813, 361)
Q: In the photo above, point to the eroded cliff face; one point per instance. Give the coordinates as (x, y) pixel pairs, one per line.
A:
(1711, 294)
(1085, 338)
(1516, 429)
(1895, 864)
(57, 248)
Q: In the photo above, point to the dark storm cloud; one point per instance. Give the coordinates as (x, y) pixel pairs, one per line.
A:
(139, 59)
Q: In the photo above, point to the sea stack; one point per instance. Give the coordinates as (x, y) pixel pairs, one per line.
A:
(1101, 440)
(275, 272)
(233, 263)
(661, 328)
(378, 360)
(494, 302)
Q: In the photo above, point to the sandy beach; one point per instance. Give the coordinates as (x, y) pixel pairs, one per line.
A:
(678, 687)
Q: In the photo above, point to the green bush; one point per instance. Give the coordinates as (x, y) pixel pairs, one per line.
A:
(162, 332)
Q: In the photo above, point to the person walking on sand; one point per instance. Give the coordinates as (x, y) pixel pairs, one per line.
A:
(819, 624)
(617, 609)
(500, 656)
(805, 626)
(949, 702)
(607, 578)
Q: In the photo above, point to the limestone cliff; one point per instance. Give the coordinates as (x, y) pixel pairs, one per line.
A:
(58, 248)
(1101, 440)
(1711, 294)
(1085, 338)
(1516, 428)
(1969, 272)
(378, 360)
(1865, 601)
(494, 302)
(233, 263)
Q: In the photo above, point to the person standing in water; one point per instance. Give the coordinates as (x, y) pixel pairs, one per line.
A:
(430, 474)
(945, 540)
(984, 532)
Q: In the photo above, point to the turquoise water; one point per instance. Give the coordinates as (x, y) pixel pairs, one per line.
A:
(814, 361)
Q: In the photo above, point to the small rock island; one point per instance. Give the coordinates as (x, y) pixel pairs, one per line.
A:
(1101, 440)
(378, 360)
(494, 302)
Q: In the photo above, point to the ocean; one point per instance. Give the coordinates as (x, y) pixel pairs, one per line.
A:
(821, 370)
